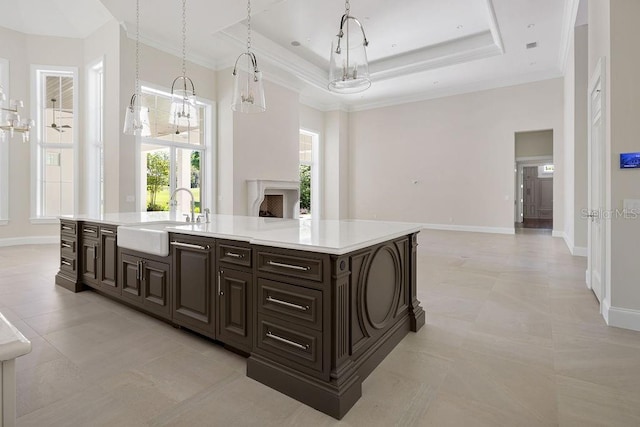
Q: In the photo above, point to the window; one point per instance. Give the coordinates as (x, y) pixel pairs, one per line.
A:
(54, 155)
(309, 174)
(175, 156)
(95, 134)
(4, 148)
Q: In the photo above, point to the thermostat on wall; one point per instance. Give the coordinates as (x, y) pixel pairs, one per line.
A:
(629, 160)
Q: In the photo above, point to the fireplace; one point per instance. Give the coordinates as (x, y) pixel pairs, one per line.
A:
(268, 198)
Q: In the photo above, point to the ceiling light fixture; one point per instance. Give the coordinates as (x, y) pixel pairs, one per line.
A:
(136, 119)
(184, 112)
(348, 65)
(248, 91)
(11, 121)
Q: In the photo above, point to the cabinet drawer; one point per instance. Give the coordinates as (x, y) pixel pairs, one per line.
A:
(108, 231)
(68, 228)
(293, 303)
(67, 246)
(67, 264)
(288, 265)
(230, 254)
(287, 343)
(90, 231)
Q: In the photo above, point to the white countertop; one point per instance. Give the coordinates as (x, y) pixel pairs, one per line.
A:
(12, 343)
(326, 236)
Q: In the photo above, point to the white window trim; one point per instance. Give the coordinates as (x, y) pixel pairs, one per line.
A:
(208, 162)
(94, 145)
(36, 98)
(316, 172)
(4, 151)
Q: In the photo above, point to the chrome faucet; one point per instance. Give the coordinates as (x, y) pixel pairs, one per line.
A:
(193, 204)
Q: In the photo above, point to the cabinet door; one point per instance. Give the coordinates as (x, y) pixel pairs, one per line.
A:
(108, 261)
(89, 261)
(155, 287)
(192, 299)
(130, 277)
(235, 294)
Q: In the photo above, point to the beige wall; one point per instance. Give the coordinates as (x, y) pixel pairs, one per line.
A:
(534, 144)
(625, 128)
(450, 161)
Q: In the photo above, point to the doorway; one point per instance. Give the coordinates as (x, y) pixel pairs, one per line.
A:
(534, 180)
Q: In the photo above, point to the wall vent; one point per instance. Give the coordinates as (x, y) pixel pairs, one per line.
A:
(532, 45)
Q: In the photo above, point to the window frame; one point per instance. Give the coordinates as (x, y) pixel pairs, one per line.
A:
(38, 74)
(208, 158)
(4, 150)
(95, 135)
(316, 163)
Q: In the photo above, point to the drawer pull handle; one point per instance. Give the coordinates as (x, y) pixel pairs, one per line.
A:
(191, 246)
(288, 304)
(67, 228)
(89, 230)
(107, 232)
(234, 255)
(65, 245)
(67, 263)
(290, 266)
(286, 341)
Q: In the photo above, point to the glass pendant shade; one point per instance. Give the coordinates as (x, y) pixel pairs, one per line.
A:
(248, 90)
(348, 66)
(184, 111)
(136, 119)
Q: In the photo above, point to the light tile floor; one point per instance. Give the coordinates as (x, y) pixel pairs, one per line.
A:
(513, 338)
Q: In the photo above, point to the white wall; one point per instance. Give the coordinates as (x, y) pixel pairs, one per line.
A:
(461, 152)
(266, 145)
(22, 51)
(534, 144)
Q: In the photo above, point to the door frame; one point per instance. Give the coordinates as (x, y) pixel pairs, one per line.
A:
(597, 79)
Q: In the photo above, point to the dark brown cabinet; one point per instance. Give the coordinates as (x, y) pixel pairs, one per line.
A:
(67, 277)
(235, 318)
(108, 260)
(89, 253)
(193, 298)
(145, 283)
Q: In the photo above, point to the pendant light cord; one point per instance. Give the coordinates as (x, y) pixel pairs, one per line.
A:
(248, 26)
(184, 40)
(137, 91)
(347, 8)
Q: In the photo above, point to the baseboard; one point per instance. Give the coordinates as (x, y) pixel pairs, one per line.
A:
(556, 233)
(622, 317)
(470, 228)
(587, 279)
(31, 240)
(575, 250)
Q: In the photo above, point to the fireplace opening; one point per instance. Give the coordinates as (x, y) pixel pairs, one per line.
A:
(272, 206)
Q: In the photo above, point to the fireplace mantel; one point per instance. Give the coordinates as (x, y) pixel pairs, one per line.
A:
(259, 188)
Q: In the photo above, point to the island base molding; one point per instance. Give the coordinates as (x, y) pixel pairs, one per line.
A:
(336, 397)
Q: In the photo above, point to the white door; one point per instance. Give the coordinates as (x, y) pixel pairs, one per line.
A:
(596, 239)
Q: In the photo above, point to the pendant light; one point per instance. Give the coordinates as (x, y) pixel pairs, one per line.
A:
(348, 66)
(10, 121)
(248, 90)
(184, 112)
(136, 119)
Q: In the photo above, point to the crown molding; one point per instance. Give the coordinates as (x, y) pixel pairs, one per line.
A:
(568, 23)
(458, 90)
(314, 103)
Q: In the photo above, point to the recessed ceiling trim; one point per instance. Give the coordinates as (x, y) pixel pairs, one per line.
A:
(465, 49)
(494, 27)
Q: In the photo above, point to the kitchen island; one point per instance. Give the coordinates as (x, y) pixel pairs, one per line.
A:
(315, 305)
